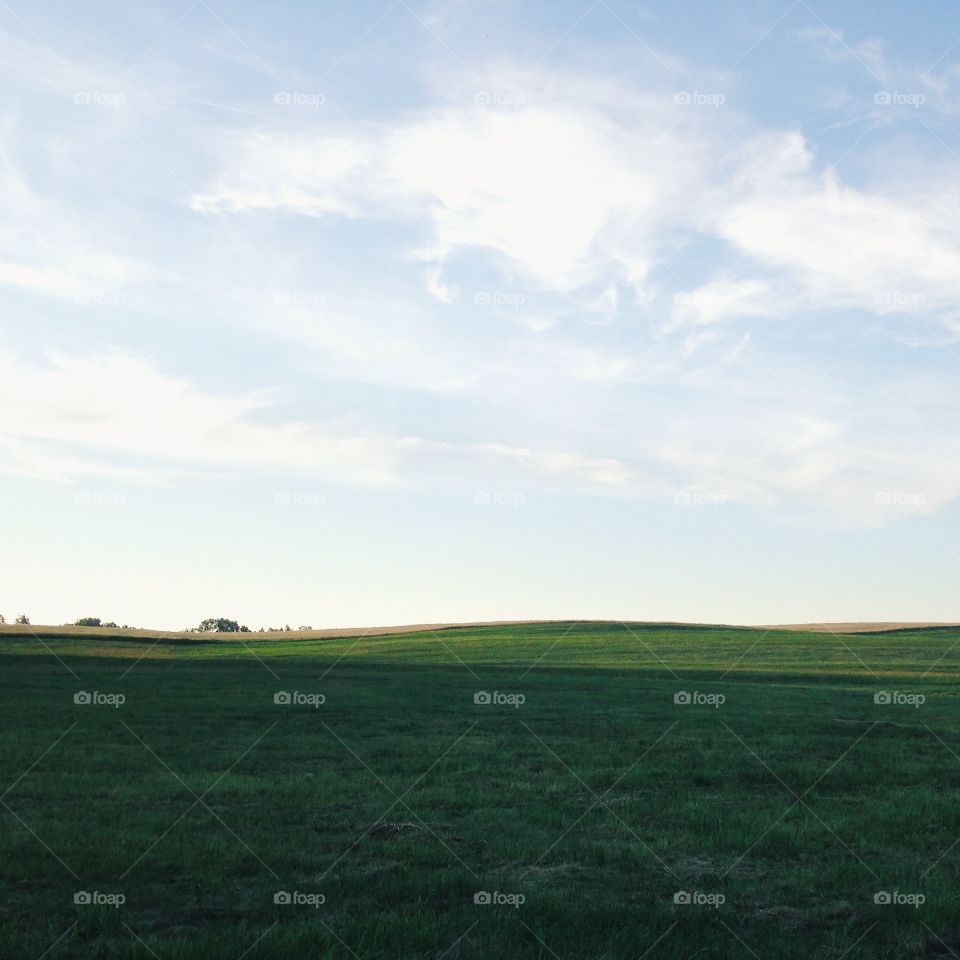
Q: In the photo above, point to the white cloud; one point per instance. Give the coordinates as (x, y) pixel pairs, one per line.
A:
(582, 196)
(48, 246)
(867, 249)
(309, 175)
(375, 339)
(605, 471)
(443, 292)
(900, 87)
(719, 299)
(561, 191)
(115, 415)
(574, 192)
(90, 414)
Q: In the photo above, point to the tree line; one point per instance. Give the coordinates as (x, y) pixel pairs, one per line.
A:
(209, 625)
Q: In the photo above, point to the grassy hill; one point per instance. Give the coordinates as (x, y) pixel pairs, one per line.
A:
(584, 776)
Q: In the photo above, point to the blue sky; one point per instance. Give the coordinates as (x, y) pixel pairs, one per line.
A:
(400, 312)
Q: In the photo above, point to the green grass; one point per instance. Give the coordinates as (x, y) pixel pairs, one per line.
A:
(398, 799)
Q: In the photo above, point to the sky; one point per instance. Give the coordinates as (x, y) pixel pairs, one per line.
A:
(409, 311)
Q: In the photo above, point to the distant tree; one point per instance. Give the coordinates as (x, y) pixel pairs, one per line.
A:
(288, 627)
(1, 619)
(220, 625)
(306, 627)
(23, 618)
(88, 622)
(109, 623)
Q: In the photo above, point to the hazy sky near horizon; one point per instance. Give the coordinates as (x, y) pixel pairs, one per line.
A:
(387, 312)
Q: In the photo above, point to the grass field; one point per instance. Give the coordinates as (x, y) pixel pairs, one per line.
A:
(782, 799)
